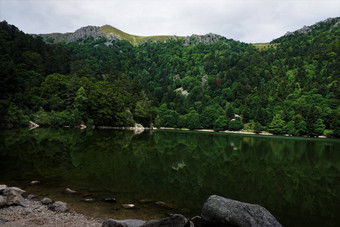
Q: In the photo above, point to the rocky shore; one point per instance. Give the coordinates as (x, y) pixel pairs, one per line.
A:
(19, 209)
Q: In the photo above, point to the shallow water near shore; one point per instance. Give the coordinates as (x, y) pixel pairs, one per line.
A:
(296, 179)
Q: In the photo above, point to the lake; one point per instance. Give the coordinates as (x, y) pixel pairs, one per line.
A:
(296, 179)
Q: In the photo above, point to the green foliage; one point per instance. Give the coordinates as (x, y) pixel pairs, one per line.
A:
(277, 125)
(221, 123)
(235, 125)
(291, 86)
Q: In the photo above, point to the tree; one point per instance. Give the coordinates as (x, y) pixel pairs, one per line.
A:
(301, 129)
(235, 125)
(221, 123)
(257, 127)
(277, 125)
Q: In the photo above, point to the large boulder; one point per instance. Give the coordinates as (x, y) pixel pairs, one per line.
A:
(122, 223)
(14, 196)
(227, 212)
(177, 220)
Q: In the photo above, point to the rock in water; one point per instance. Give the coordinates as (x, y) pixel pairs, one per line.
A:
(59, 207)
(14, 196)
(34, 182)
(122, 223)
(46, 201)
(88, 200)
(68, 190)
(225, 212)
(177, 220)
(110, 200)
(128, 205)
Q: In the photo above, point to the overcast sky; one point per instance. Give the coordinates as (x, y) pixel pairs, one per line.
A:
(244, 20)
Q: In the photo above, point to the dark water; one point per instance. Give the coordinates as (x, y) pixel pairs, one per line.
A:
(296, 179)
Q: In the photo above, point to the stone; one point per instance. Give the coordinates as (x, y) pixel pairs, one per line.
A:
(88, 200)
(34, 182)
(59, 207)
(32, 197)
(162, 205)
(46, 201)
(70, 191)
(2, 187)
(14, 196)
(128, 205)
(197, 221)
(110, 200)
(122, 223)
(177, 220)
(225, 212)
(3, 201)
(32, 125)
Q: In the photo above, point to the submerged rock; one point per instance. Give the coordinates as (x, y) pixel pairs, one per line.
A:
(59, 207)
(110, 200)
(177, 220)
(225, 212)
(86, 194)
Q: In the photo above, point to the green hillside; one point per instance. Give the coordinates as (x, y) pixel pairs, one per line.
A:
(134, 39)
(200, 82)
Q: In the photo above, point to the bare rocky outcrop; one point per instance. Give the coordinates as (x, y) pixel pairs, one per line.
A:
(207, 39)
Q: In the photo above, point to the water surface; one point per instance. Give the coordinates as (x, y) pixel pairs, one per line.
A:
(296, 179)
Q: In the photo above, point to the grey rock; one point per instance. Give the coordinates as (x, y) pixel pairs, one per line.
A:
(207, 39)
(32, 197)
(59, 207)
(14, 196)
(225, 212)
(197, 221)
(46, 201)
(70, 191)
(177, 220)
(128, 205)
(122, 223)
(34, 182)
(2, 187)
(88, 200)
(3, 200)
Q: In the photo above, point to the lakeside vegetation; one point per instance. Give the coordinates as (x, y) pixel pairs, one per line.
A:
(290, 86)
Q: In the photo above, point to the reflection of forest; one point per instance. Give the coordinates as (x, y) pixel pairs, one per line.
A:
(296, 179)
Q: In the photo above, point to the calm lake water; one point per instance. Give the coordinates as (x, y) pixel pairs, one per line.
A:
(296, 179)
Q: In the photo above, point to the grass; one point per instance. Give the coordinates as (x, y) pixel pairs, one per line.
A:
(262, 46)
(134, 39)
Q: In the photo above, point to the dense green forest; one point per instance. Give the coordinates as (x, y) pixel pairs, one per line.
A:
(289, 87)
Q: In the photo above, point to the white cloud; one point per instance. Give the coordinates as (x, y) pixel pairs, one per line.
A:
(244, 20)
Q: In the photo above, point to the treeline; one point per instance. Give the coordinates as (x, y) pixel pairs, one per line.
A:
(288, 88)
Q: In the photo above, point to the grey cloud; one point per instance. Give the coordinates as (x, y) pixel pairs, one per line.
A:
(247, 20)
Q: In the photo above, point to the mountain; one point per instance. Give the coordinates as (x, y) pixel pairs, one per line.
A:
(106, 31)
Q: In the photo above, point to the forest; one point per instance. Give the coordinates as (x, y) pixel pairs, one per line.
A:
(290, 86)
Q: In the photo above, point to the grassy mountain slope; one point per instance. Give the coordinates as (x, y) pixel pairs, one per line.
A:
(134, 39)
